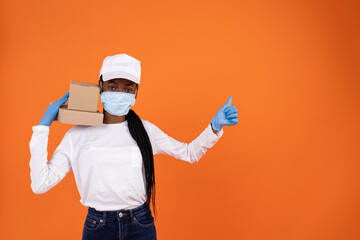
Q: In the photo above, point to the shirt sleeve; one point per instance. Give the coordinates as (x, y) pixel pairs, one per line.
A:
(46, 175)
(190, 152)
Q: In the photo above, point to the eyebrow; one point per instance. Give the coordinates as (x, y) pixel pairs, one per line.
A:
(112, 81)
(128, 84)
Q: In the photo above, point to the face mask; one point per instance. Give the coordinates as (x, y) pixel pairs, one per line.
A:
(117, 103)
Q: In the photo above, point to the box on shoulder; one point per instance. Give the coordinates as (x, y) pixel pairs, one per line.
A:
(76, 117)
(83, 96)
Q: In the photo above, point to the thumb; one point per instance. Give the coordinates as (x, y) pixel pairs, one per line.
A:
(63, 99)
(228, 103)
(66, 96)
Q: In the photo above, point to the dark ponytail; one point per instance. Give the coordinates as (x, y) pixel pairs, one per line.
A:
(139, 134)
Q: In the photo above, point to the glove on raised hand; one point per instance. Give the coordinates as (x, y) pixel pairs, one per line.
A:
(52, 111)
(227, 115)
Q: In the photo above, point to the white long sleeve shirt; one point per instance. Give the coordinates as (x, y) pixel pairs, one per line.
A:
(106, 161)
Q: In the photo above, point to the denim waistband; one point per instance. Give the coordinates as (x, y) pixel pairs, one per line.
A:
(125, 213)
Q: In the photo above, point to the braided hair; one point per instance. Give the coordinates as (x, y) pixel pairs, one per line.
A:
(139, 134)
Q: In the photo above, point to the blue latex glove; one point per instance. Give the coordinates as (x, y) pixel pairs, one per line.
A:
(53, 110)
(227, 115)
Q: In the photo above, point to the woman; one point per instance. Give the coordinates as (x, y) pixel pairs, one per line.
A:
(113, 163)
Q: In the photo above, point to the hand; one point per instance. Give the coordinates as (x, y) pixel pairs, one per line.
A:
(53, 110)
(227, 115)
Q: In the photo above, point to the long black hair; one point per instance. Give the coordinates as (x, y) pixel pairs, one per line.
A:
(139, 134)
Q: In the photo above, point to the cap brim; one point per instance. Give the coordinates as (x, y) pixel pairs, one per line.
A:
(119, 74)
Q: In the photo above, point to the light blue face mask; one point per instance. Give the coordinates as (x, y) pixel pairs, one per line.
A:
(117, 103)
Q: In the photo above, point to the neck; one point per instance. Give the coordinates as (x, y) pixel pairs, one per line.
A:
(109, 119)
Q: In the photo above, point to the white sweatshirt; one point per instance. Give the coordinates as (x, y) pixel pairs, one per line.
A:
(106, 161)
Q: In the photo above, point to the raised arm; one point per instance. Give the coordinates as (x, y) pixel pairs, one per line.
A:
(190, 152)
(46, 175)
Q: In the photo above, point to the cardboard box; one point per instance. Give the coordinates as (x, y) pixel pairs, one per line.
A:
(83, 96)
(76, 117)
(80, 117)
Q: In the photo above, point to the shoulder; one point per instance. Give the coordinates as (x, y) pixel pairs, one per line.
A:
(150, 127)
(153, 128)
(147, 124)
(78, 129)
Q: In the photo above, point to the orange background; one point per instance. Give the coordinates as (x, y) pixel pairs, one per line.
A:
(288, 170)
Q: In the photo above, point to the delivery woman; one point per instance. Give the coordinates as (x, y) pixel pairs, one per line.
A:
(113, 163)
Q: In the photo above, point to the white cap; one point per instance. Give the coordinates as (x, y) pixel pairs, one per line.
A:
(121, 66)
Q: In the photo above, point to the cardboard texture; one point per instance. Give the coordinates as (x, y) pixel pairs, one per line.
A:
(83, 96)
(68, 116)
(81, 107)
(78, 117)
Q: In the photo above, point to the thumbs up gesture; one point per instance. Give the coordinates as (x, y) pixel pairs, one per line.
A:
(227, 115)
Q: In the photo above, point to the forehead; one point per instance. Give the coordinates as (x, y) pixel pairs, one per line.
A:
(121, 81)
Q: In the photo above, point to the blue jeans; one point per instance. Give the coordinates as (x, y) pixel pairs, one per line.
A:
(132, 224)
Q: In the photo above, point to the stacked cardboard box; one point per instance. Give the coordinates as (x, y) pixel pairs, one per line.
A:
(81, 107)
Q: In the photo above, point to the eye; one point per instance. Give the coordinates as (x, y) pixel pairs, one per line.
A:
(128, 90)
(111, 88)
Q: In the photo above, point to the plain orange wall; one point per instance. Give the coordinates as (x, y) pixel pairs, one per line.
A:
(288, 170)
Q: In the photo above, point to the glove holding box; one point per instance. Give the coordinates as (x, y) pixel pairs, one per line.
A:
(81, 108)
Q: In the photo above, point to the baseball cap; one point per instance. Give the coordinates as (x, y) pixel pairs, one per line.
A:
(121, 66)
